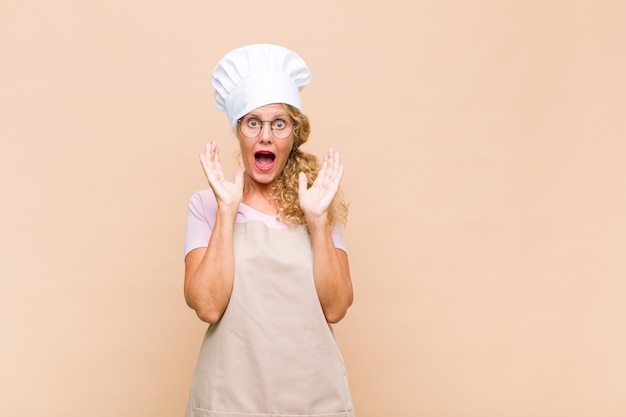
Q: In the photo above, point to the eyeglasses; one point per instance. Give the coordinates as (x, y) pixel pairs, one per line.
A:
(251, 127)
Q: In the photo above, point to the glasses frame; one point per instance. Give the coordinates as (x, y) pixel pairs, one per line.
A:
(293, 127)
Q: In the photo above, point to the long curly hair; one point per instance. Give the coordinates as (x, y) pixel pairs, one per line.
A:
(285, 191)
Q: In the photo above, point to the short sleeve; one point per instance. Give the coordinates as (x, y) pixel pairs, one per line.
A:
(201, 214)
(338, 237)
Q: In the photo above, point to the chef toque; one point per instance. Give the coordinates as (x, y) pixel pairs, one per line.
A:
(256, 75)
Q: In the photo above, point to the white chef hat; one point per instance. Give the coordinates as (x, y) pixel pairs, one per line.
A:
(256, 75)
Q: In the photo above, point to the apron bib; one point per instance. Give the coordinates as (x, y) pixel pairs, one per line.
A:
(272, 353)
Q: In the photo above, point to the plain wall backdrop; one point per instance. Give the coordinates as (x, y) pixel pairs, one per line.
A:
(484, 144)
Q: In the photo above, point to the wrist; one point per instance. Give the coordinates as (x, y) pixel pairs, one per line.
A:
(227, 211)
(317, 221)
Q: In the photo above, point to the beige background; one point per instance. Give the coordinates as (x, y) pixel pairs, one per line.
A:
(484, 145)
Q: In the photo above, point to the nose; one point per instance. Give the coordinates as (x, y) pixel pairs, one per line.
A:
(266, 132)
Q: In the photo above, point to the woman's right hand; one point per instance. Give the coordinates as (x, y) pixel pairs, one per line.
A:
(228, 194)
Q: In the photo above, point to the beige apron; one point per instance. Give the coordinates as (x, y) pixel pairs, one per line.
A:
(272, 353)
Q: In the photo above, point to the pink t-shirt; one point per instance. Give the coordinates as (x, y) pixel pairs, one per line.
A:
(201, 220)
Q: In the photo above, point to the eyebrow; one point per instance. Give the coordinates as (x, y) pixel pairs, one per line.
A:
(275, 116)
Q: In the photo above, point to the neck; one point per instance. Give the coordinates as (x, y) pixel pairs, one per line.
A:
(259, 197)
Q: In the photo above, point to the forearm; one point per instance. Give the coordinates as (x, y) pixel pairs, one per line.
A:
(331, 273)
(209, 275)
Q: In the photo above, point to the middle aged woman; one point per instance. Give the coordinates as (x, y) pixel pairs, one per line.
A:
(265, 257)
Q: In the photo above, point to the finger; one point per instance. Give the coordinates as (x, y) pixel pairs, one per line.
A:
(302, 183)
(321, 174)
(330, 155)
(206, 157)
(215, 155)
(206, 166)
(330, 166)
(326, 167)
(335, 164)
(339, 174)
(208, 161)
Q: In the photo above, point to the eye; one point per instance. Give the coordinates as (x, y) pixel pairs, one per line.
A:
(279, 124)
(253, 123)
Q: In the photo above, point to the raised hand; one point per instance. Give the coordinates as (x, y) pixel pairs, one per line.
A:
(228, 194)
(316, 201)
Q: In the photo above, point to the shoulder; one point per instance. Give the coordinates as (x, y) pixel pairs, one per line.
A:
(205, 194)
(203, 197)
(203, 203)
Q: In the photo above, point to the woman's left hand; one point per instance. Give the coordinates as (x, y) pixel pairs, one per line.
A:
(316, 201)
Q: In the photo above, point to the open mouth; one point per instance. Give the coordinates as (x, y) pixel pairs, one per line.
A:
(264, 160)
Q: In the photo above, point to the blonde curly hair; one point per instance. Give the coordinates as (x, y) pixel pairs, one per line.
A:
(285, 191)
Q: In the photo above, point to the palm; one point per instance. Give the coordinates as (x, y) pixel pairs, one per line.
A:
(316, 201)
(226, 192)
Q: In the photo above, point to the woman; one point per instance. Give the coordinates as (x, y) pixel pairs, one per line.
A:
(266, 262)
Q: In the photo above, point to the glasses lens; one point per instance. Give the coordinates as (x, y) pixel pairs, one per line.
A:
(250, 127)
(281, 128)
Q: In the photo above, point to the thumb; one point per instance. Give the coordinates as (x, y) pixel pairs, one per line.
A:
(239, 179)
(302, 182)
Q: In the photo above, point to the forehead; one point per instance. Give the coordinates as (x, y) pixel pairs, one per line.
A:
(269, 111)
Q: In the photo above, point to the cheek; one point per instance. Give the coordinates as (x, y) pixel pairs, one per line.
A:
(286, 150)
(245, 149)
(292, 143)
(295, 142)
